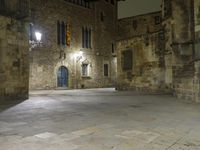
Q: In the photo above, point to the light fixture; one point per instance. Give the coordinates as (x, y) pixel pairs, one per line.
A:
(78, 55)
(36, 42)
(38, 36)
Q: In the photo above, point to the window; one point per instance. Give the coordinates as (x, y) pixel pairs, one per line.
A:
(105, 70)
(63, 33)
(157, 20)
(161, 36)
(58, 33)
(102, 16)
(85, 70)
(113, 48)
(2, 4)
(135, 24)
(127, 60)
(86, 37)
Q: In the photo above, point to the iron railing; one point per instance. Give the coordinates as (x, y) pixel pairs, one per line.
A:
(18, 9)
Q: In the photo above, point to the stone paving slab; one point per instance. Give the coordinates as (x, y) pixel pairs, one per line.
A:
(99, 119)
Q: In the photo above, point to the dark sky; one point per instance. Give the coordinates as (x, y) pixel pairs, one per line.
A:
(135, 7)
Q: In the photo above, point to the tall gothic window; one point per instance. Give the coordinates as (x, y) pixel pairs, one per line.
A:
(63, 33)
(106, 71)
(86, 37)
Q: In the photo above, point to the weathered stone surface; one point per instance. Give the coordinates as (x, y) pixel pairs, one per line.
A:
(99, 119)
(142, 35)
(46, 60)
(176, 67)
(184, 48)
(14, 66)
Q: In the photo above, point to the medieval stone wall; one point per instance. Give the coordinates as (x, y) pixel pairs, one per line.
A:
(178, 57)
(46, 59)
(14, 59)
(139, 25)
(144, 37)
(182, 50)
(178, 26)
(197, 28)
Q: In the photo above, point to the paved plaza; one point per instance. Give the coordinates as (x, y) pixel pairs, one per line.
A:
(99, 119)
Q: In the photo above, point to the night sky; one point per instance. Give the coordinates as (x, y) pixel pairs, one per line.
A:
(135, 7)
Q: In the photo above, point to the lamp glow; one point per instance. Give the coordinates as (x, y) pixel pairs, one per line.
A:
(78, 55)
(38, 36)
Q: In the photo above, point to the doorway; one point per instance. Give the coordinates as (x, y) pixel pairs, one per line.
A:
(62, 77)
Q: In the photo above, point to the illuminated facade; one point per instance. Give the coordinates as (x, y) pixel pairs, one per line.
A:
(77, 49)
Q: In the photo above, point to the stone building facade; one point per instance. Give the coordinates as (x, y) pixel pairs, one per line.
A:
(14, 50)
(84, 57)
(140, 53)
(179, 55)
(179, 46)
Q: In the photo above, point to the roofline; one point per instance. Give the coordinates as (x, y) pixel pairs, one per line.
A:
(155, 12)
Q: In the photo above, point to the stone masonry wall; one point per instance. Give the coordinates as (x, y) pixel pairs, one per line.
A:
(14, 63)
(180, 49)
(46, 59)
(143, 36)
(178, 38)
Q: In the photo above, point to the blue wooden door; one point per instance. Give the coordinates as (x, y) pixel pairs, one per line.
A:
(62, 77)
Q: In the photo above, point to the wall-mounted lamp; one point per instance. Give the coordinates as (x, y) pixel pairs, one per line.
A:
(37, 41)
(78, 55)
(38, 36)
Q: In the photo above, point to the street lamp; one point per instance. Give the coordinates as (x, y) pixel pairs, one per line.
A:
(78, 55)
(37, 41)
(38, 36)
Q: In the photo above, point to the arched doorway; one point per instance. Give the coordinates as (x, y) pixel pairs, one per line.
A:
(62, 77)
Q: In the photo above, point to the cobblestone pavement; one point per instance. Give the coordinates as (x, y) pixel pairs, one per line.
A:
(99, 119)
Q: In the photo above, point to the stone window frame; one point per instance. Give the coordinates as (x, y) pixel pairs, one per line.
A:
(87, 37)
(157, 20)
(113, 48)
(62, 33)
(102, 16)
(135, 24)
(127, 57)
(84, 70)
(107, 71)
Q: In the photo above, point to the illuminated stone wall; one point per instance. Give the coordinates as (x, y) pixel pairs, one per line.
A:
(14, 60)
(46, 59)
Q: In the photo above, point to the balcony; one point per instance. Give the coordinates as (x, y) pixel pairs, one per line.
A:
(18, 9)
